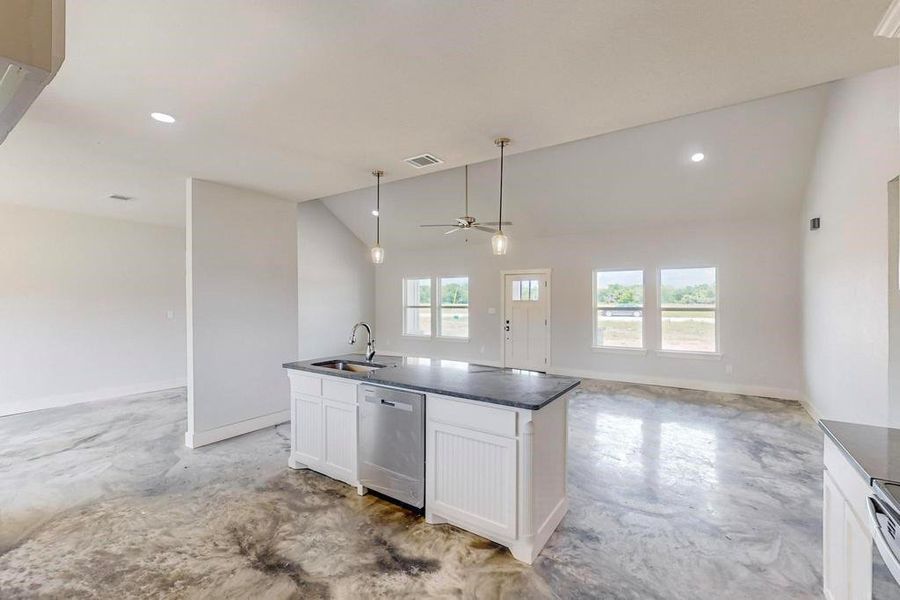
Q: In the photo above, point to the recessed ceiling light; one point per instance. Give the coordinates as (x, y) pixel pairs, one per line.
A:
(697, 156)
(374, 213)
(163, 117)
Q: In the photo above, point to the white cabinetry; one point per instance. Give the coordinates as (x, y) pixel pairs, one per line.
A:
(846, 538)
(339, 443)
(306, 417)
(474, 478)
(496, 471)
(323, 425)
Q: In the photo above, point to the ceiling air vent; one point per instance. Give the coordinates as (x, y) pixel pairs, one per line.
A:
(424, 160)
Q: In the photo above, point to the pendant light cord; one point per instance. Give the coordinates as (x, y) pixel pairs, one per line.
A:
(500, 218)
(378, 209)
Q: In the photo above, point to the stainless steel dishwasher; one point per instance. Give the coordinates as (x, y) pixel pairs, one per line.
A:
(392, 443)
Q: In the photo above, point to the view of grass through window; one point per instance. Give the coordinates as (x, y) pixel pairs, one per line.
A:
(688, 309)
(619, 309)
(417, 307)
(454, 320)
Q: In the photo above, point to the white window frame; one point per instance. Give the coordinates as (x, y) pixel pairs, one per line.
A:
(618, 349)
(404, 306)
(701, 354)
(439, 307)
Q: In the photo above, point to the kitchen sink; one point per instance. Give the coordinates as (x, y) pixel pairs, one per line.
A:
(349, 365)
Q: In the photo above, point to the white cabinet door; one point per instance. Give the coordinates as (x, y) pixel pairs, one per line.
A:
(847, 547)
(858, 544)
(339, 427)
(308, 440)
(834, 574)
(472, 477)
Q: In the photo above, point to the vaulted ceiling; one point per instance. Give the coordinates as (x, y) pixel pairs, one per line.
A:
(303, 99)
(757, 159)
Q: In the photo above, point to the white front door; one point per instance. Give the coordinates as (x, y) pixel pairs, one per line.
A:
(526, 322)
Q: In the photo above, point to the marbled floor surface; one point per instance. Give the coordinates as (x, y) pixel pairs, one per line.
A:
(673, 494)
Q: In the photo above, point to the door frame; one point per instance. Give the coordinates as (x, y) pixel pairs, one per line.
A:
(546, 272)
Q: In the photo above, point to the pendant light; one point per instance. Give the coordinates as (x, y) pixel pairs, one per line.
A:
(499, 242)
(377, 250)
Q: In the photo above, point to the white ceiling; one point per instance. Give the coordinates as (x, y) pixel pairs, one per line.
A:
(303, 99)
(758, 158)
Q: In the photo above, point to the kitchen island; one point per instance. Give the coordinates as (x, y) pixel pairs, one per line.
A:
(494, 448)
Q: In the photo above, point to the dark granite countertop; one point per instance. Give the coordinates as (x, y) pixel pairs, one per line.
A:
(874, 451)
(509, 387)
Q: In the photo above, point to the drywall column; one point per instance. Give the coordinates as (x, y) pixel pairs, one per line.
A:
(845, 312)
(241, 310)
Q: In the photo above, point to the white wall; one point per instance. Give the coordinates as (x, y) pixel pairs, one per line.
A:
(242, 309)
(759, 275)
(83, 308)
(894, 300)
(336, 281)
(845, 262)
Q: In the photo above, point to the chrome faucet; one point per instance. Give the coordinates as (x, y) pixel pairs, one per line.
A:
(370, 343)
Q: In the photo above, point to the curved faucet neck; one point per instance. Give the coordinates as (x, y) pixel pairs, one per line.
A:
(370, 343)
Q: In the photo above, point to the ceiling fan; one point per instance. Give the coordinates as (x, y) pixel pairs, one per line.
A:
(467, 221)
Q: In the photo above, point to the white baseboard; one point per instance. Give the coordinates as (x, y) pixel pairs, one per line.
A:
(195, 439)
(690, 384)
(810, 409)
(24, 406)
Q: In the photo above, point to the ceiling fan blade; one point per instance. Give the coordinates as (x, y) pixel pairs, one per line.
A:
(483, 228)
(454, 230)
(496, 223)
(440, 225)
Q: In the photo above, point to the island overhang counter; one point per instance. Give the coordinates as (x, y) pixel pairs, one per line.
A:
(495, 440)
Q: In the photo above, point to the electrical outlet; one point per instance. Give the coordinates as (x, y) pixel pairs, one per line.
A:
(492, 311)
(729, 369)
(170, 314)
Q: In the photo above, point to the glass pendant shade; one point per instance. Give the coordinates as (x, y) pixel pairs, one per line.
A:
(377, 255)
(500, 243)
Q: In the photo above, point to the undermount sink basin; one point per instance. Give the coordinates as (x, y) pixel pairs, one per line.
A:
(349, 365)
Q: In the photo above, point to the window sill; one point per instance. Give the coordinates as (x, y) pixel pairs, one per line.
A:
(688, 354)
(463, 340)
(415, 337)
(616, 350)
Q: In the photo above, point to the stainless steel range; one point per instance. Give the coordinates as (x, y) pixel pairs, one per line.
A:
(884, 518)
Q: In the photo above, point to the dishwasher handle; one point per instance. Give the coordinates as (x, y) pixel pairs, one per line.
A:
(389, 403)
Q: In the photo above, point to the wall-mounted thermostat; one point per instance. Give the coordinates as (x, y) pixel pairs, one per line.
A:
(814, 223)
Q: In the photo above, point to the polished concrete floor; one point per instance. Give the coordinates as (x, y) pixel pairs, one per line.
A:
(673, 494)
